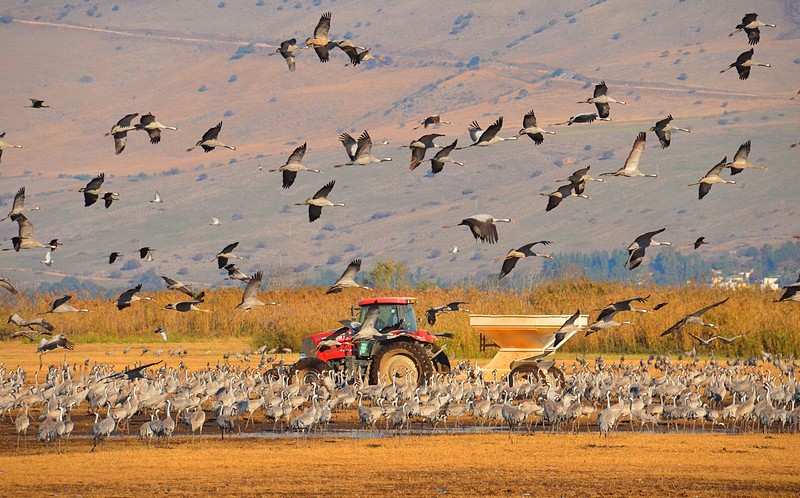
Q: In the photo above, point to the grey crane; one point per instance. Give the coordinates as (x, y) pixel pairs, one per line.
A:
(146, 253)
(482, 226)
(5, 284)
(225, 420)
(663, 130)
(153, 128)
(436, 119)
(694, 318)
(623, 305)
(5, 145)
(347, 280)
(113, 257)
(728, 340)
(605, 323)
(196, 419)
(579, 178)
(514, 255)
(18, 206)
(168, 424)
(26, 238)
(631, 166)
(48, 258)
(133, 373)
(637, 248)
(225, 254)
(743, 64)
(293, 166)
(791, 292)
(366, 330)
(532, 130)
(129, 297)
(93, 190)
(101, 430)
(584, 117)
(161, 331)
(698, 242)
(61, 305)
(173, 284)
(750, 24)
(210, 140)
(484, 138)
(419, 147)
(37, 104)
(704, 342)
(443, 157)
(320, 41)
(319, 200)
(740, 162)
(21, 424)
(250, 295)
(430, 314)
(363, 152)
(39, 322)
(711, 178)
(236, 274)
(356, 56)
(287, 51)
(109, 198)
(564, 191)
(185, 306)
(120, 132)
(601, 100)
(53, 343)
(567, 328)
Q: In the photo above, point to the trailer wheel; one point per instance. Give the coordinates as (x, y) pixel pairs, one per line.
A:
(308, 370)
(556, 373)
(397, 360)
(529, 373)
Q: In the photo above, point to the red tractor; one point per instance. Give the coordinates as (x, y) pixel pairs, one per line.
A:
(403, 353)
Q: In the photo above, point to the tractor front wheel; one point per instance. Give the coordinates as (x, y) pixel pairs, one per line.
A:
(308, 370)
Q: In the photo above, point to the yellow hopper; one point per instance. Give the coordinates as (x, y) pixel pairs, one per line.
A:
(523, 340)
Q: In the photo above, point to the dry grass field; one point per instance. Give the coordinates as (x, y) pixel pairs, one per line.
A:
(763, 324)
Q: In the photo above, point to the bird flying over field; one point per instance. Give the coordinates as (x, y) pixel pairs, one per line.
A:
(694, 318)
(514, 255)
(347, 280)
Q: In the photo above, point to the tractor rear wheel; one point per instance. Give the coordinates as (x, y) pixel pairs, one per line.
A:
(308, 370)
(402, 362)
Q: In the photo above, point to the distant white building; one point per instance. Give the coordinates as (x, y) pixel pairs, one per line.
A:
(770, 283)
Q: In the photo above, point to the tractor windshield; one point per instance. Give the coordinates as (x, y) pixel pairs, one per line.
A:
(393, 317)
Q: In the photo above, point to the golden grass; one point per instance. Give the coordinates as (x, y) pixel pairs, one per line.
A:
(750, 312)
(463, 465)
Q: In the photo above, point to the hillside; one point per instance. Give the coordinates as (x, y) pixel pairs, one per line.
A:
(194, 65)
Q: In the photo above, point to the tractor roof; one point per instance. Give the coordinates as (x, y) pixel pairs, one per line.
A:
(387, 300)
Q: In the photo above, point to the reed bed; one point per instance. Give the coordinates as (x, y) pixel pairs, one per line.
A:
(752, 313)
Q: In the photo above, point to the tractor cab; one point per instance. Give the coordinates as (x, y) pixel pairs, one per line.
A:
(395, 313)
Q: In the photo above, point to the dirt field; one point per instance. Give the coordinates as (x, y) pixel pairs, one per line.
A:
(490, 464)
(463, 465)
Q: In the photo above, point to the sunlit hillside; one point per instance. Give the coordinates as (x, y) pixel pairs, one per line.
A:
(195, 64)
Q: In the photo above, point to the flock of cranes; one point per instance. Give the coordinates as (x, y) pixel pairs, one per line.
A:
(233, 391)
(734, 397)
